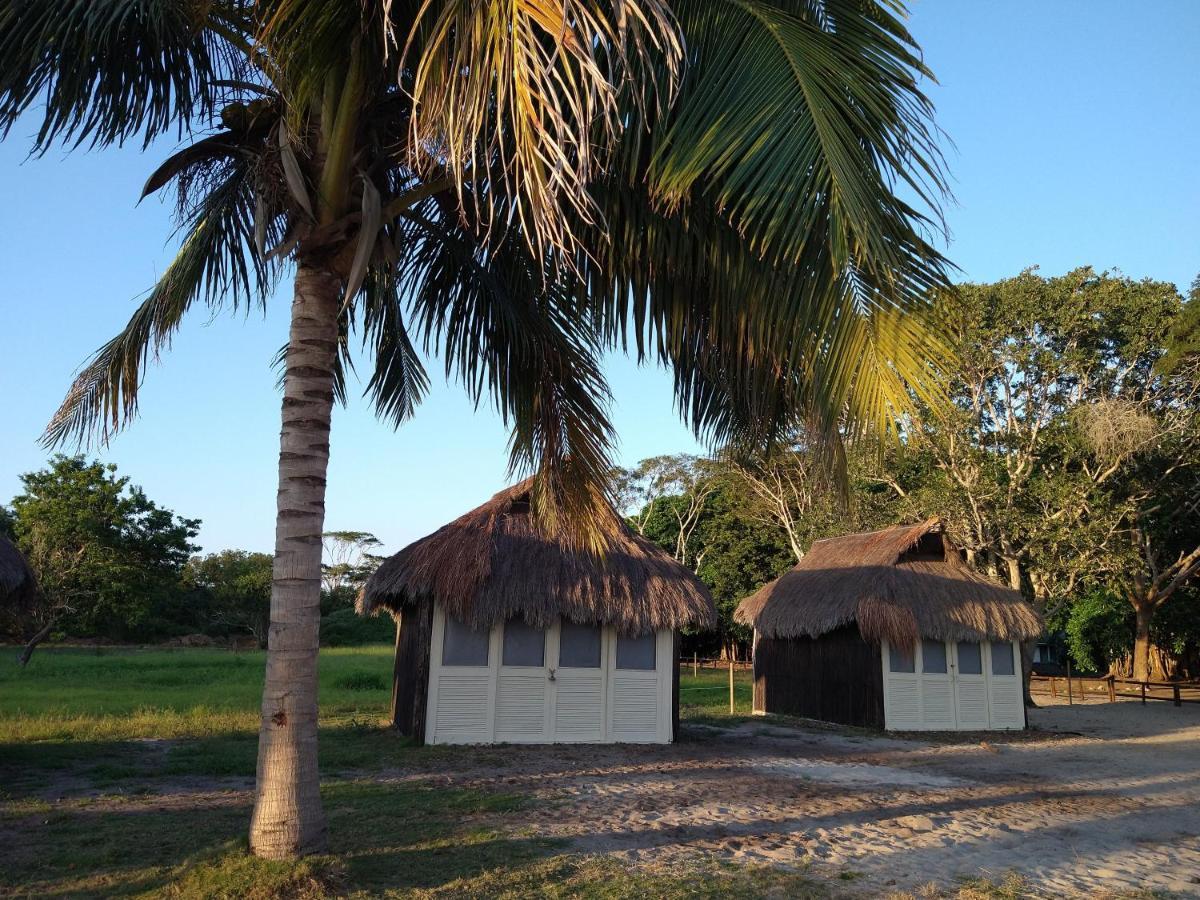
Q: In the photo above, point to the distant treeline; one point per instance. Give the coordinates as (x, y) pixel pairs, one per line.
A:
(112, 565)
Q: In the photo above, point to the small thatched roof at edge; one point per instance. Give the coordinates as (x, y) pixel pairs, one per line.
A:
(17, 583)
(899, 584)
(492, 564)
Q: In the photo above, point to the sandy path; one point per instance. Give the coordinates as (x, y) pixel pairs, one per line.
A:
(1115, 809)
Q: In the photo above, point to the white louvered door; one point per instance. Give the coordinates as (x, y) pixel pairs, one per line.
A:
(936, 686)
(970, 687)
(639, 694)
(580, 685)
(569, 683)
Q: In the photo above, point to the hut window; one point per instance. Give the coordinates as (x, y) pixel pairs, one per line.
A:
(970, 659)
(1002, 658)
(463, 646)
(636, 652)
(524, 645)
(901, 659)
(933, 657)
(579, 646)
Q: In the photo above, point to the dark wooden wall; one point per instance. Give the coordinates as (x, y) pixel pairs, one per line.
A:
(835, 678)
(410, 675)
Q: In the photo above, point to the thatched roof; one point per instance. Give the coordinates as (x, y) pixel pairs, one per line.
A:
(17, 583)
(492, 564)
(899, 584)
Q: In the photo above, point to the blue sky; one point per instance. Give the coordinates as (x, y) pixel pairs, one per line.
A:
(1074, 129)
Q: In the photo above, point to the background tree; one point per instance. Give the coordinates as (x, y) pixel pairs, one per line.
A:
(675, 486)
(348, 563)
(1033, 349)
(234, 589)
(105, 554)
(517, 187)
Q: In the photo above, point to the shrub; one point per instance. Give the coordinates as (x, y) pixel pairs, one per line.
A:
(346, 628)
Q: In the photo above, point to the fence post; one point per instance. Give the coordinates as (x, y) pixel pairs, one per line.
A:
(1143, 693)
(695, 665)
(1112, 688)
(1175, 693)
(731, 685)
(1053, 687)
(1070, 692)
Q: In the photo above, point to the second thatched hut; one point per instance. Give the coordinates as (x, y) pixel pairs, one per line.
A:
(890, 629)
(506, 634)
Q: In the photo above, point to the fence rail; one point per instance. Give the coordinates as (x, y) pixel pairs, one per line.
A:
(697, 663)
(1112, 687)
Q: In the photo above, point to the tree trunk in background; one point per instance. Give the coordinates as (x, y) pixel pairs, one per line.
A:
(41, 635)
(288, 818)
(1141, 641)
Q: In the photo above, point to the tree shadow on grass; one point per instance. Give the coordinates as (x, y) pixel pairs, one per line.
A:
(51, 769)
(383, 835)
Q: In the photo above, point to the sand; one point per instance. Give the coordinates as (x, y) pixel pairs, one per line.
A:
(1105, 798)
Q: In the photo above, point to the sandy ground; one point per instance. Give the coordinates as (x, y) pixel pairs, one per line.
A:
(1100, 799)
(1103, 799)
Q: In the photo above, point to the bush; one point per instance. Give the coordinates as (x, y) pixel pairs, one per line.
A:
(346, 628)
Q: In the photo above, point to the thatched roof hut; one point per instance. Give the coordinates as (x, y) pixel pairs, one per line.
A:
(18, 586)
(899, 584)
(507, 633)
(892, 629)
(492, 564)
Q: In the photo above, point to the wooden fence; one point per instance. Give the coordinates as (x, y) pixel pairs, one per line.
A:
(1109, 687)
(697, 664)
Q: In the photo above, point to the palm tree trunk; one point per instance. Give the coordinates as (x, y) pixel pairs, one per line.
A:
(288, 818)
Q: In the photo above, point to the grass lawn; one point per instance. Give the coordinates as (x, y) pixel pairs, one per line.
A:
(124, 773)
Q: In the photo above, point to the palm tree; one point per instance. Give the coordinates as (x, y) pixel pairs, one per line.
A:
(516, 187)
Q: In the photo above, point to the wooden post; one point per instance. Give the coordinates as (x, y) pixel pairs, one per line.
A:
(1143, 693)
(1112, 688)
(1053, 687)
(731, 685)
(695, 665)
(1175, 693)
(1070, 692)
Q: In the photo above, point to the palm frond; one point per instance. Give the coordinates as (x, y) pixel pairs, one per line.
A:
(399, 381)
(799, 120)
(106, 70)
(215, 264)
(519, 99)
(510, 331)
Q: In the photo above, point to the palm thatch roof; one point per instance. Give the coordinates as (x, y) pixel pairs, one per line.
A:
(900, 584)
(492, 564)
(17, 583)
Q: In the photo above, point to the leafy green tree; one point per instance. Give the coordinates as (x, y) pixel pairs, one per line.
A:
(1064, 423)
(234, 589)
(793, 489)
(105, 553)
(517, 187)
(1183, 342)
(731, 551)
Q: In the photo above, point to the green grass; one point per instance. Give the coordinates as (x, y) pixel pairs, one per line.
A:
(705, 697)
(116, 722)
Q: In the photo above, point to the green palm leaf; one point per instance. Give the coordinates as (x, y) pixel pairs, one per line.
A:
(106, 70)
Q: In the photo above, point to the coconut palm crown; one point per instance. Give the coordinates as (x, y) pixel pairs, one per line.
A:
(743, 191)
